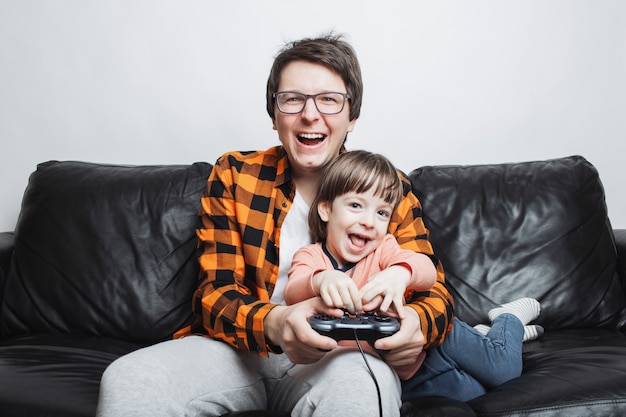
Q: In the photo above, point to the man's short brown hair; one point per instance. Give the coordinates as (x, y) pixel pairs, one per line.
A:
(328, 50)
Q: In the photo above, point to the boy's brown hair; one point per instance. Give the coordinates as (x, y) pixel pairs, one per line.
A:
(355, 171)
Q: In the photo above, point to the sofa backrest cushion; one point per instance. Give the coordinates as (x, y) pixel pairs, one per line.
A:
(105, 250)
(537, 229)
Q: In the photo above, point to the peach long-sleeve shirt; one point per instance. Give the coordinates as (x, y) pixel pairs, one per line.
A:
(312, 259)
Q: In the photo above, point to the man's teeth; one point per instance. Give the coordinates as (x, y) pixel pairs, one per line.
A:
(311, 136)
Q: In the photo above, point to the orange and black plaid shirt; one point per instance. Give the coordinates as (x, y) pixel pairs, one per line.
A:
(247, 199)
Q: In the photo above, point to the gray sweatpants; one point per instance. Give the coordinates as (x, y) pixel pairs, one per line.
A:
(196, 376)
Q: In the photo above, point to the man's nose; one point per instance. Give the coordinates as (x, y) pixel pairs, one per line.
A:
(310, 109)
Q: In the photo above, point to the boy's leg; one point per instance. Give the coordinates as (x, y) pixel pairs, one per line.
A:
(470, 361)
(190, 376)
(440, 376)
(492, 359)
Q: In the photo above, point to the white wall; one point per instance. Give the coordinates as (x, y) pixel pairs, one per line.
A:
(446, 82)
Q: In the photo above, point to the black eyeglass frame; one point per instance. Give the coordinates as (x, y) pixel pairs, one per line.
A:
(346, 96)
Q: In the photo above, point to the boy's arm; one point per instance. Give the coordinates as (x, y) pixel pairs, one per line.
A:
(307, 261)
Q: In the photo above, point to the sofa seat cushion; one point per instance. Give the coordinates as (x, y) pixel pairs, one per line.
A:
(54, 375)
(436, 407)
(577, 372)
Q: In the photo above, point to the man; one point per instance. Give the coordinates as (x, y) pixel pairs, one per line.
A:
(260, 353)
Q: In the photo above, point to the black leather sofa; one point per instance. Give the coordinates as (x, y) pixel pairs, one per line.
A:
(103, 261)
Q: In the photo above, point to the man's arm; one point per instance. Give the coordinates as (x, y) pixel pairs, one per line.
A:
(232, 305)
(435, 306)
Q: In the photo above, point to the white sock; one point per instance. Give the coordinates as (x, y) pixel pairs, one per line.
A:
(525, 309)
(482, 328)
(531, 332)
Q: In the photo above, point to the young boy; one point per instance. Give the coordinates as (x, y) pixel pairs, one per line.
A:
(349, 221)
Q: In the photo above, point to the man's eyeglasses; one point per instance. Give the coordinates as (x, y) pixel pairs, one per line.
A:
(290, 102)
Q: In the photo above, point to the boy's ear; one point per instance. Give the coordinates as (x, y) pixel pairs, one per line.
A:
(323, 208)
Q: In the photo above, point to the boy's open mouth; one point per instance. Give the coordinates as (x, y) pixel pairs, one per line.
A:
(358, 241)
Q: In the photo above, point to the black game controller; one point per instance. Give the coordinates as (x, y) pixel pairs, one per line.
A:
(368, 326)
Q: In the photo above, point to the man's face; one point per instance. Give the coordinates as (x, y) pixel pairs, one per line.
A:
(310, 138)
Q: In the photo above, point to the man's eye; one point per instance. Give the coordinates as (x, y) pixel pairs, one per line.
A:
(293, 99)
(328, 99)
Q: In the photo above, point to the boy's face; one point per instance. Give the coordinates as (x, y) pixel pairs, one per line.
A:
(310, 138)
(356, 224)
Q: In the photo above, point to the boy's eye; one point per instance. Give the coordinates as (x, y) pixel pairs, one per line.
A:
(383, 213)
(355, 205)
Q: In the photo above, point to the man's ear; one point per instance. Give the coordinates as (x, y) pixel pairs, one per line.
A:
(323, 209)
(351, 125)
(274, 124)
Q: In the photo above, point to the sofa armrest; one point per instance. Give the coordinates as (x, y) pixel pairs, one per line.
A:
(6, 249)
(620, 244)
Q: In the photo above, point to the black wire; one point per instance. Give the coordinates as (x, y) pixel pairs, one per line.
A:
(369, 369)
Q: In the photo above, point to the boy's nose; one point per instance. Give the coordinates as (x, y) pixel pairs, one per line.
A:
(367, 219)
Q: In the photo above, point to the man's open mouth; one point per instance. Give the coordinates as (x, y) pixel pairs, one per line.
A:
(311, 138)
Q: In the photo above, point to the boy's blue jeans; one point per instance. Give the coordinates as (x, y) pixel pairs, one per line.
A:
(468, 363)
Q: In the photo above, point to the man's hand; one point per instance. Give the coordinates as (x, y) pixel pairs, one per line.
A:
(403, 347)
(288, 327)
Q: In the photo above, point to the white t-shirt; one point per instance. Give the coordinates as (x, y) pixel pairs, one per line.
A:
(294, 234)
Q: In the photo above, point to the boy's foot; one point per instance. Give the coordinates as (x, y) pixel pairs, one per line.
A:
(531, 332)
(525, 309)
(483, 329)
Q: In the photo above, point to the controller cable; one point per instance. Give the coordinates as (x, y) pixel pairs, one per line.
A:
(369, 369)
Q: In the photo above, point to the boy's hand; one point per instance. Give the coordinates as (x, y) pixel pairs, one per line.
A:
(385, 290)
(338, 290)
